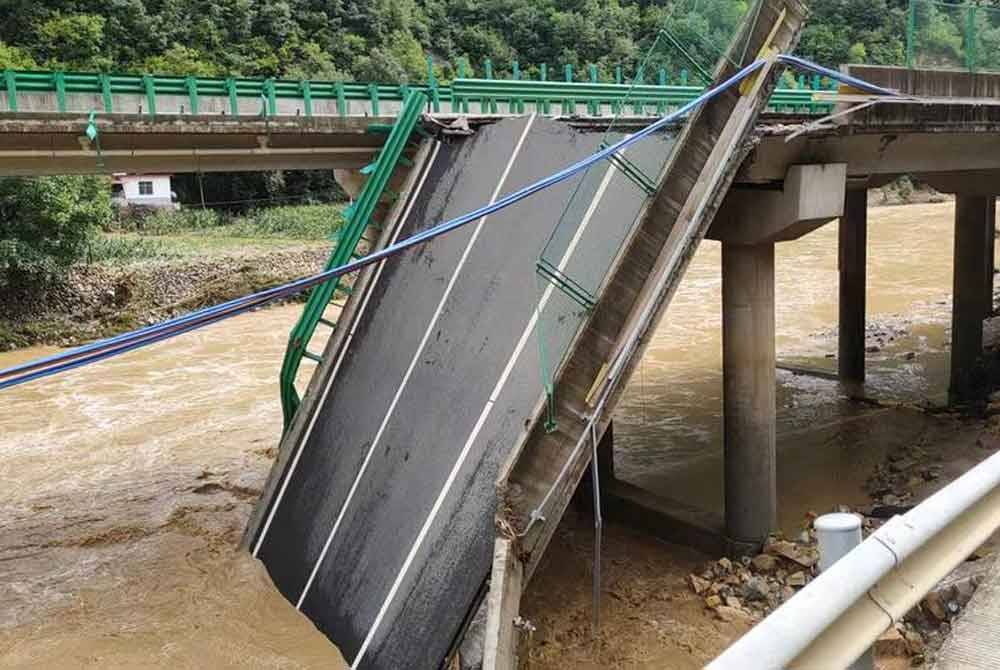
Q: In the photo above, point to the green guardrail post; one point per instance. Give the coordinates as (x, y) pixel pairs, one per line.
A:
(60, 82)
(432, 86)
(911, 28)
(149, 86)
(569, 105)
(491, 102)
(305, 89)
(373, 98)
(640, 79)
(234, 102)
(272, 96)
(458, 104)
(191, 84)
(341, 98)
(106, 96)
(661, 103)
(516, 103)
(543, 75)
(10, 83)
(593, 106)
(684, 77)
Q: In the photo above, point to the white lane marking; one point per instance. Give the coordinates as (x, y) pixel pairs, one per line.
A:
(413, 364)
(343, 349)
(494, 395)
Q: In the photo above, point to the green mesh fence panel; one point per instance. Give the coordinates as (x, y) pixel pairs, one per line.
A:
(953, 36)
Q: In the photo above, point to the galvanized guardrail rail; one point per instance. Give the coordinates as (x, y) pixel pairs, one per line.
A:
(838, 615)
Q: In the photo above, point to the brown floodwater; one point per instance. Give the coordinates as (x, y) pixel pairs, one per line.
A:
(125, 486)
(668, 430)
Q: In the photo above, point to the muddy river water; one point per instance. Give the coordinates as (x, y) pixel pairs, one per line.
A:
(124, 486)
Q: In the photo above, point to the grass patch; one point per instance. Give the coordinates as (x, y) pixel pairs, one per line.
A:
(297, 222)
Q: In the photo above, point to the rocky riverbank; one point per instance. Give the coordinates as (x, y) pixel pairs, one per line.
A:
(99, 300)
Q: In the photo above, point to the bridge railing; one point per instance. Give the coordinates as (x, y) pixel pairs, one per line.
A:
(37, 91)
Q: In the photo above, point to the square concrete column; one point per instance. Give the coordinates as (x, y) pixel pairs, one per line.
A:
(852, 234)
(972, 219)
(748, 364)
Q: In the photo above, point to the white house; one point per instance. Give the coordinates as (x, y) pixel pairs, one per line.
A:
(143, 190)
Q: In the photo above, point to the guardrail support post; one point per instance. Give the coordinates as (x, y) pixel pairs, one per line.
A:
(748, 369)
(836, 536)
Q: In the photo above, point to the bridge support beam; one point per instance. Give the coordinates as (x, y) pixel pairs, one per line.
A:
(852, 263)
(748, 362)
(972, 223)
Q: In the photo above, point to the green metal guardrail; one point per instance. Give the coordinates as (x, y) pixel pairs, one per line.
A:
(358, 219)
(488, 91)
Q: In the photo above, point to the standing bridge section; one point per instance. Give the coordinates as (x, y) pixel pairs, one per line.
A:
(70, 122)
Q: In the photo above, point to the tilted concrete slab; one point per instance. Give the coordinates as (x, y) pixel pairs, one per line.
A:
(548, 465)
(379, 514)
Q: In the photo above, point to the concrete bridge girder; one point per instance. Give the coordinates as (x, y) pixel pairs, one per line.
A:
(810, 196)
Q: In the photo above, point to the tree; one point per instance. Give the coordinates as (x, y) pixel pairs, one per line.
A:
(15, 58)
(73, 42)
(46, 224)
(180, 60)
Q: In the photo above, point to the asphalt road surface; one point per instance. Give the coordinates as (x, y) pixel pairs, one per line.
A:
(383, 535)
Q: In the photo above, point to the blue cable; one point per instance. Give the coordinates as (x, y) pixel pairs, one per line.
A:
(860, 84)
(125, 342)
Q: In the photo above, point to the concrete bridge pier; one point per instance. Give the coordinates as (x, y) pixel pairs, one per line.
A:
(972, 275)
(852, 233)
(749, 224)
(748, 369)
(972, 230)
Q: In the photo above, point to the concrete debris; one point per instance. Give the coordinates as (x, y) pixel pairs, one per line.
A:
(732, 614)
(797, 579)
(699, 585)
(891, 643)
(756, 585)
(764, 563)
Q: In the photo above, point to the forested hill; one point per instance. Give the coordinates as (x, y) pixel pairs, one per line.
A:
(389, 40)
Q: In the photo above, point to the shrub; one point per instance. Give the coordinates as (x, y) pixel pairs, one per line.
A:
(46, 224)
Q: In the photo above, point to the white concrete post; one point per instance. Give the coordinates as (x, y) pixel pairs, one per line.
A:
(836, 535)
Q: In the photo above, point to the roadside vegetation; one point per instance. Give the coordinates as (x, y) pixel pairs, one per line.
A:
(49, 225)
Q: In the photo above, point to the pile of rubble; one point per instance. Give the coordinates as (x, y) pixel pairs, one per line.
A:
(894, 482)
(749, 588)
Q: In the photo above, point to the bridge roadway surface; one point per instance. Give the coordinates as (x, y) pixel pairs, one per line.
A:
(384, 533)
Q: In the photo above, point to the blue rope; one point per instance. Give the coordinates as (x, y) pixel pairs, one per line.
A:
(100, 350)
(860, 84)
